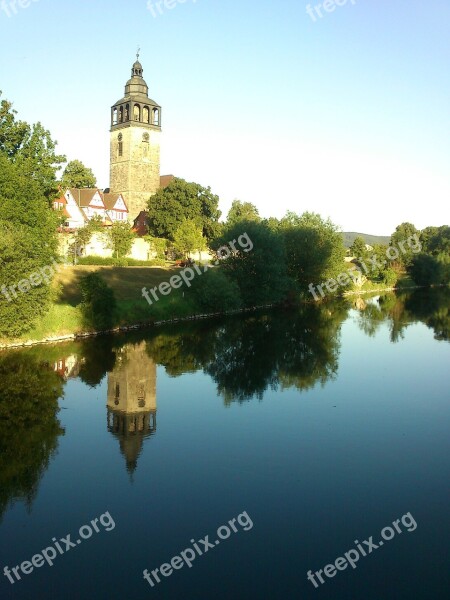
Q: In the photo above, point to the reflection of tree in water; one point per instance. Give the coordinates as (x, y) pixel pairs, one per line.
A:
(183, 348)
(288, 349)
(29, 428)
(370, 317)
(99, 358)
(428, 306)
(246, 356)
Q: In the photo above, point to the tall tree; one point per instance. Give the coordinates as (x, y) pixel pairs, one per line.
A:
(31, 148)
(189, 238)
(258, 266)
(401, 234)
(358, 248)
(27, 249)
(314, 248)
(76, 175)
(242, 211)
(121, 238)
(181, 201)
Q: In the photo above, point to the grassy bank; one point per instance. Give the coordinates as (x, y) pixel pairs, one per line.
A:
(64, 316)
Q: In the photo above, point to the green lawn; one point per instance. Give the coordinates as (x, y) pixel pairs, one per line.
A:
(127, 282)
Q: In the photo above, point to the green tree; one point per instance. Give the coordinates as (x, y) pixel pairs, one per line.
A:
(401, 234)
(215, 292)
(358, 248)
(426, 269)
(27, 246)
(121, 238)
(181, 201)
(84, 234)
(159, 245)
(314, 248)
(436, 240)
(260, 272)
(189, 238)
(242, 211)
(31, 148)
(98, 304)
(76, 175)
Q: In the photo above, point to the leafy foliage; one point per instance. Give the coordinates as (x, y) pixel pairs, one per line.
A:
(189, 238)
(358, 248)
(98, 304)
(27, 244)
(76, 175)
(215, 292)
(314, 248)
(242, 211)
(181, 201)
(121, 238)
(260, 272)
(31, 149)
(401, 234)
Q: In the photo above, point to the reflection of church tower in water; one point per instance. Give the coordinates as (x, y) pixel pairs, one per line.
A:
(132, 400)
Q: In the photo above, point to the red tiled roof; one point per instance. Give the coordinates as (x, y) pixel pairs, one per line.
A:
(164, 180)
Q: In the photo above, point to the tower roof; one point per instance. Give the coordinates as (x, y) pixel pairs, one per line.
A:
(136, 87)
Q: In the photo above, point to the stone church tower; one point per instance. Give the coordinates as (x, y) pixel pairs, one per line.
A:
(135, 140)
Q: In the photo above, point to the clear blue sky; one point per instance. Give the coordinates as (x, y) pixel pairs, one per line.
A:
(347, 115)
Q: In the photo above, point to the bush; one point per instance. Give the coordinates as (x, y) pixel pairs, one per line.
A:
(98, 305)
(96, 260)
(119, 262)
(428, 270)
(214, 292)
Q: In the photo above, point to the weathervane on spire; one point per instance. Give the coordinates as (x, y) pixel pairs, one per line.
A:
(138, 53)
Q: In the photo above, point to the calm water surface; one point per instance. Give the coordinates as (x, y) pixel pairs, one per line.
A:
(323, 425)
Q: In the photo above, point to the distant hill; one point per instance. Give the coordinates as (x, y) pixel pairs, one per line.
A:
(350, 236)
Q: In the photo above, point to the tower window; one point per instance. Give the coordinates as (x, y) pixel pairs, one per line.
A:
(127, 112)
(120, 149)
(115, 116)
(155, 116)
(146, 114)
(137, 112)
(121, 114)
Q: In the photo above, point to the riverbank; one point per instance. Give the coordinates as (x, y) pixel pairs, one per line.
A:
(64, 320)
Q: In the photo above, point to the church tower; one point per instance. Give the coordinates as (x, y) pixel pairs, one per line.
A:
(134, 145)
